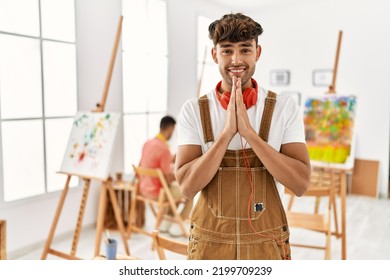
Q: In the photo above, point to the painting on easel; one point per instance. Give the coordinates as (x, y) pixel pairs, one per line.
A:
(329, 125)
(89, 150)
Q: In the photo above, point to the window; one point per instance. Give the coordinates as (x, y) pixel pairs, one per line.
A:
(38, 93)
(145, 68)
(210, 76)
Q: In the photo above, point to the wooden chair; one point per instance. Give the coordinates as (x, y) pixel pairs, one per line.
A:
(321, 186)
(162, 243)
(163, 203)
(321, 176)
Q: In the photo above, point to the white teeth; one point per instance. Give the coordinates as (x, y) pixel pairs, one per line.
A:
(236, 70)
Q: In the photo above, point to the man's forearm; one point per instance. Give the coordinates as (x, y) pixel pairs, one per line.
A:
(292, 173)
(196, 174)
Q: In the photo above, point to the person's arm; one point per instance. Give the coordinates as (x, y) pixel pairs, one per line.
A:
(290, 166)
(165, 166)
(193, 170)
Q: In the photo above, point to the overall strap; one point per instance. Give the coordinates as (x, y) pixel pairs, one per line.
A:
(205, 118)
(269, 106)
(265, 120)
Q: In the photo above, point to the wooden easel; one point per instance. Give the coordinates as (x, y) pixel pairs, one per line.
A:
(47, 249)
(332, 87)
(3, 250)
(343, 172)
(106, 185)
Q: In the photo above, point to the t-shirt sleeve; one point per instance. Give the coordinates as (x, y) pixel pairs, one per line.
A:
(294, 130)
(188, 131)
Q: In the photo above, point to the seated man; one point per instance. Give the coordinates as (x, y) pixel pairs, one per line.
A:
(156, 154)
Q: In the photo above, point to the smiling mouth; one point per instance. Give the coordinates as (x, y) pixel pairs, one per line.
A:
(237, 70)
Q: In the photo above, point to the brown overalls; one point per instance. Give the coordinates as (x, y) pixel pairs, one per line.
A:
(219, 223)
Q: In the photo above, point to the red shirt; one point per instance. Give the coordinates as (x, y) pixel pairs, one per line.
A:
(155, 154)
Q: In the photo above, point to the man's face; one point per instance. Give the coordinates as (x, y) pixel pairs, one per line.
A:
(236, 59)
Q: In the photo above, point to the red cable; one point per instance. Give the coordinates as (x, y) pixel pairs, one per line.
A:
(247, 166)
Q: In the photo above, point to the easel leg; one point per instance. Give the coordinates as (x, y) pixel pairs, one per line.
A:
(55, 220)
(336, 220)
(3, 248)
(100, 218)
(118, 217)
(80, 217)
(343, 190)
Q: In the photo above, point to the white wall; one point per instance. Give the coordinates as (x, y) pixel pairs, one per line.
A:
(29, 221)
(182, 48)
(302, 37)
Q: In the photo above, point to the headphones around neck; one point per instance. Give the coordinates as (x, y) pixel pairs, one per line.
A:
(249, 95)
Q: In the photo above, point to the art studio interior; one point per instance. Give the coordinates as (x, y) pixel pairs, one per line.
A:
(86, 84)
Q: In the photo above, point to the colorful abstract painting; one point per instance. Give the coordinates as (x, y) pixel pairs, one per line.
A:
(90, 146)
(329, 125)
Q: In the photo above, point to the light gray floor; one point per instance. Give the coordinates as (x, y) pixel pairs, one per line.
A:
(368, 235)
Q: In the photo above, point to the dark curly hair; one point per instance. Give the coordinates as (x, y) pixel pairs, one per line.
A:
(234, 28)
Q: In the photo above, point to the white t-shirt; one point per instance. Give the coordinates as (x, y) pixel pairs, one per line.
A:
(286, 125)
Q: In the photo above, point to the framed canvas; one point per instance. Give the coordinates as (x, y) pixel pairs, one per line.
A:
(329, 129)
(90, 146)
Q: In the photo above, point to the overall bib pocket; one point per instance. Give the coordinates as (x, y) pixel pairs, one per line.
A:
(229, 192)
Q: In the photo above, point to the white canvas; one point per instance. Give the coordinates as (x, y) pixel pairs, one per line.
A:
(90, 146)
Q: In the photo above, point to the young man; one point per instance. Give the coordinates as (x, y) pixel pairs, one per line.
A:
(238, 145)
(156, 154)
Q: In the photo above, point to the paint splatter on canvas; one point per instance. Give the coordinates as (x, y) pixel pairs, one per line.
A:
(329, 124)
(90, 145)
